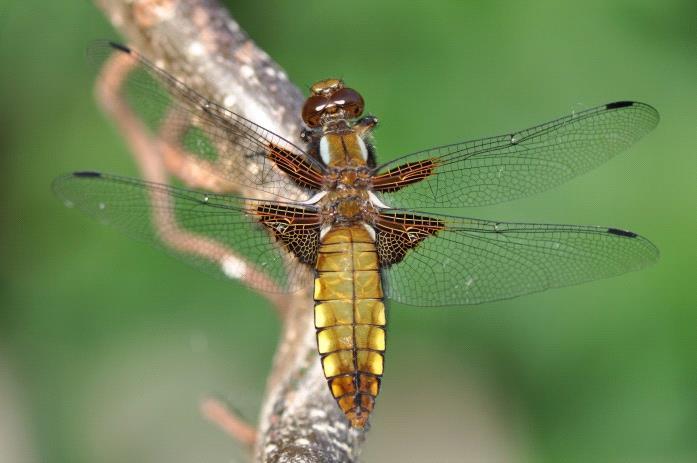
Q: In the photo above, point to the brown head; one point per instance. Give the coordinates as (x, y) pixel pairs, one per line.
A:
(330, 99)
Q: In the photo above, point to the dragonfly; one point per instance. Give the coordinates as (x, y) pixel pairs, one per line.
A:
(329, 215)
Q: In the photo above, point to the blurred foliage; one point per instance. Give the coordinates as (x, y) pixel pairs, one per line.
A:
(111, 344)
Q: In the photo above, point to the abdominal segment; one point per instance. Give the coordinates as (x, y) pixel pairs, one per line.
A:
(350, 319)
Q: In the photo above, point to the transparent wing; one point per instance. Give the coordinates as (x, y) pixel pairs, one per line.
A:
(237, 150)
(502, 168)
(223, 234)
(470, 261)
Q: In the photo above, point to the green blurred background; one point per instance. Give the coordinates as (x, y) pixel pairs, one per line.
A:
(106, 346)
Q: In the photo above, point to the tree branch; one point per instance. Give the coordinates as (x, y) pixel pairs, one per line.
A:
(198, 41)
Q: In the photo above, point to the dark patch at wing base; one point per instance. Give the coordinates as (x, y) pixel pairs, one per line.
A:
(404, 175)
(398, 233)
(297, 228)
(297, 167)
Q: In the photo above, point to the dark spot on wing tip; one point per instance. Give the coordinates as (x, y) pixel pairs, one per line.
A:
(619, 104)
(120, 47)
(86, 174)
(618, 232)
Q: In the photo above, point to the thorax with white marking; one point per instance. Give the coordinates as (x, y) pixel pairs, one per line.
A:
(347, 179)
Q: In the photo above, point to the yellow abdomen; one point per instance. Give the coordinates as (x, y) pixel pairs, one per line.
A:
(350, 319)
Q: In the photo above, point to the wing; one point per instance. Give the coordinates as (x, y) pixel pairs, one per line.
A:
(436, 260)
(229, 236)
(497, 169)
(236, 149)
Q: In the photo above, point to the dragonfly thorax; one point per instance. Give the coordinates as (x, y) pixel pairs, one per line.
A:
(347, 178)
(343, 149)
(347, 206)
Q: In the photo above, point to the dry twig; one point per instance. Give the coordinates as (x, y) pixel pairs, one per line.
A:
(229, 422)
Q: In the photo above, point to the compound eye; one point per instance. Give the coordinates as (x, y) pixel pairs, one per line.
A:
(350, 101)
(331, 97)
(313, 108)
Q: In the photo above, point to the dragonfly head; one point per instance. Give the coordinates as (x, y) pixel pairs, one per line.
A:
(330, 100)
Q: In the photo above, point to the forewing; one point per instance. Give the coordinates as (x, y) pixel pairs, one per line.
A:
(233, 148)
(452, 260)
(506, 167)
(232, 237)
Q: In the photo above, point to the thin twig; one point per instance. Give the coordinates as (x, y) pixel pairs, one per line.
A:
(152, 155)
(190, 169)
(228, 421)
